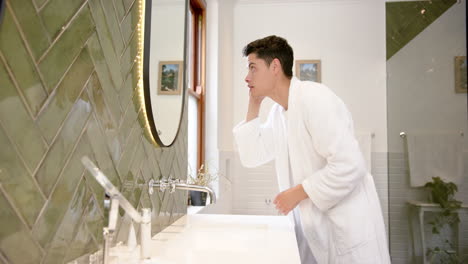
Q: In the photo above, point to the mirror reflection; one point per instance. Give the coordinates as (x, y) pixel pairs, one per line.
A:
(164, 67)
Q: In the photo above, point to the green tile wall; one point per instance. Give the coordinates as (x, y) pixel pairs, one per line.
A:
(67, 89)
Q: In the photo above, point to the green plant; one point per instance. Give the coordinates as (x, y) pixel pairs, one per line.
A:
(442, 193)
(203, 177)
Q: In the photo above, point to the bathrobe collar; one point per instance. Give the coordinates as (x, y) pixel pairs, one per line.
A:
(293, 82)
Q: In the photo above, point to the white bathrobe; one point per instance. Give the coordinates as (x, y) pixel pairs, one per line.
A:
(341, 219)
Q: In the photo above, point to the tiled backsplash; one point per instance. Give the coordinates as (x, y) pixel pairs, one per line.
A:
(67, 89)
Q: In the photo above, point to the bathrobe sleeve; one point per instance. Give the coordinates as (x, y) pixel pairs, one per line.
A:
(329, 123)
(255, 141)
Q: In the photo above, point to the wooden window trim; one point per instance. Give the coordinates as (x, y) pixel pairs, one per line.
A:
(197, 8)
(194, 94)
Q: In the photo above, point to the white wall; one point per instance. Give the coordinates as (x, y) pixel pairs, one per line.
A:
(212, 116)
(225, 70)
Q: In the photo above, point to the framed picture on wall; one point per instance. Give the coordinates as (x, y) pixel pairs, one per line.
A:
(460, 74)
(170, 77)
(309, 70)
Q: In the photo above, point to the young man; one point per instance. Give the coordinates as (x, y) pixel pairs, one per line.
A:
(320, 168)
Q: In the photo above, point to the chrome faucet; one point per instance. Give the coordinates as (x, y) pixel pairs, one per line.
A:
(176, 184)
(111, 206)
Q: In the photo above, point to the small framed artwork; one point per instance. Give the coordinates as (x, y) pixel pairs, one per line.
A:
(309, 70)
(170, 77)
(460, 74)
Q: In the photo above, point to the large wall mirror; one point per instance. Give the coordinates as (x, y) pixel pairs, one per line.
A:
(164, 67)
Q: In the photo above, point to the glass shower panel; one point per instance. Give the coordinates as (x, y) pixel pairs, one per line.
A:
(427, 123)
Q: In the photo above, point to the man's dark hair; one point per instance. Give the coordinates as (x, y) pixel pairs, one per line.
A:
(272, 47)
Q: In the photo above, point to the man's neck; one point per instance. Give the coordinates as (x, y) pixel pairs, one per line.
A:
(281, 92)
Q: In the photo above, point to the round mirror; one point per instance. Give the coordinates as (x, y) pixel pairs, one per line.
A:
(164, 67)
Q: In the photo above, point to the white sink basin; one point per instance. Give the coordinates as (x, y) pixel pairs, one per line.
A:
(226, 239)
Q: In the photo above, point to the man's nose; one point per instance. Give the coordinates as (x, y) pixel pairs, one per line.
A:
(247, 78)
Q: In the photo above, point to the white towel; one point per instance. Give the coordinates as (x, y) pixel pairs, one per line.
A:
(365, 144)
(435, 155)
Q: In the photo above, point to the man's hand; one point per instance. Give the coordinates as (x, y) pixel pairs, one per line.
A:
(254, 106)
(289, 199)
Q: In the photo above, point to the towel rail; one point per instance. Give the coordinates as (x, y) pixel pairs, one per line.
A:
(403, 134)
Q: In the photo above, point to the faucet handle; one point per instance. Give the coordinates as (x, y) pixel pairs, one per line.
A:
(163, 184)
(173, 184)
(150, 186)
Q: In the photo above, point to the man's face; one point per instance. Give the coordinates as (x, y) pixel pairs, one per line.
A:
(260, 77)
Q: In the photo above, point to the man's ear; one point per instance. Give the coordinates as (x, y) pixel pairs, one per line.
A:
(276, 65)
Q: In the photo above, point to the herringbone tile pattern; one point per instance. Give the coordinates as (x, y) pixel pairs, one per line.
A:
(67, 89)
